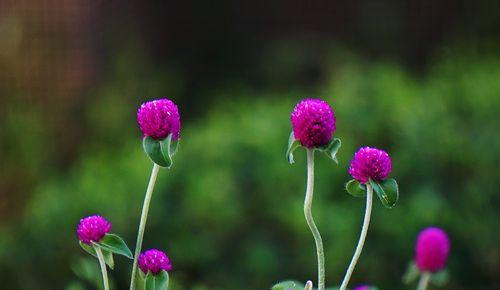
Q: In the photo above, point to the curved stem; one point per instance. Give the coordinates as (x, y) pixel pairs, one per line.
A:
(310, 220)
(424, 280)
(142, 224)
(362, 237)
(100, 257)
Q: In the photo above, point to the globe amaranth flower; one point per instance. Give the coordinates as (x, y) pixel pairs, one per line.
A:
(92, 229)
(433, 247)
(362, 287)
(154, 261)
(369, 163)
(313, 122)
(159, 118)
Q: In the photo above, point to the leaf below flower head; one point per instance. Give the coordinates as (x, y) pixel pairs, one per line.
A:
(157, 282)
(332, 149)
(411, 273)
(160, 151)
(356, 189)
(440, 278)
(108, 256)
(387, 191)
(292, 145)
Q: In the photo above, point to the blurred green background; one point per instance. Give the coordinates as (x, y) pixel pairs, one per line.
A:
(420, 79)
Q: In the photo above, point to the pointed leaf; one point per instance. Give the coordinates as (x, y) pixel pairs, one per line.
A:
(355, 188)
(108, 256)
(167, 147)
(157, 282)
(152, 148)
(387, 191)
(332, 148)
(440, 278)
(115, 244)
(288, 285)
(292, 145)
(411, 273)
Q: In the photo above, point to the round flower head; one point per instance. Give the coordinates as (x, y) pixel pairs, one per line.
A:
(159, 118)
(362, 287)
(154, 261)
(313, 122)
(92, 229)
(433, 247)
(370, 163)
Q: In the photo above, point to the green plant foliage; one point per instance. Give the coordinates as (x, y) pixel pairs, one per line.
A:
(332, 149)
(115, 244)
(160, 151)
(356, 189)
(288, 285)
(440, 278)
(292, 145)
(108, 255)
(412, 273)
(156, 282)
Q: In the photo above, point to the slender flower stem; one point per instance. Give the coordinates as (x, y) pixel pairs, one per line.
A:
(424, 280)
(310, 220)
(142, 224)
(100, 257)
(362, 237)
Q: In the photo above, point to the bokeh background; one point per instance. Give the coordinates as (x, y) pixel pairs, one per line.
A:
(420, 79)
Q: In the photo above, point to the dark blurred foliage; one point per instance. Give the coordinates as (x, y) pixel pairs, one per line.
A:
(417, 78)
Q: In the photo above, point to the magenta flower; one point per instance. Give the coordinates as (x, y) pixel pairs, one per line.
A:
(431, 252)
(369, 163)
(362, 287)
(154, 261)
(313, 122)
(92, 229)
(159, 118)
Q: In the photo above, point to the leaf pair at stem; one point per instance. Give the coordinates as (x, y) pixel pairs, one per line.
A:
(387, 190)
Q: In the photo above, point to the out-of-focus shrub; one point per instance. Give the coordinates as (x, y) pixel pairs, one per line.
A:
(229, 212)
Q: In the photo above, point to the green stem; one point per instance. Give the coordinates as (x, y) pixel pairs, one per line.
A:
(424, 280)
(100, 257)
(310, 221)
(362, 237)
(142, 224)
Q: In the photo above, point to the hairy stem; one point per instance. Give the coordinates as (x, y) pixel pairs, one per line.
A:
(142, 224)
(100, 257)
(362, 237)
(424, 280)
(310, 220)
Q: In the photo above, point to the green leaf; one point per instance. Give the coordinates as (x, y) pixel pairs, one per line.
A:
(160, 151)
(288, 285)
(140, 280)
(387, 191)
(108, 256)
(411, 273)
(440, 278)
(292, 145)
(115, 244)
(168, 149)
(157, 282)
(332, 148)
(355, 188)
